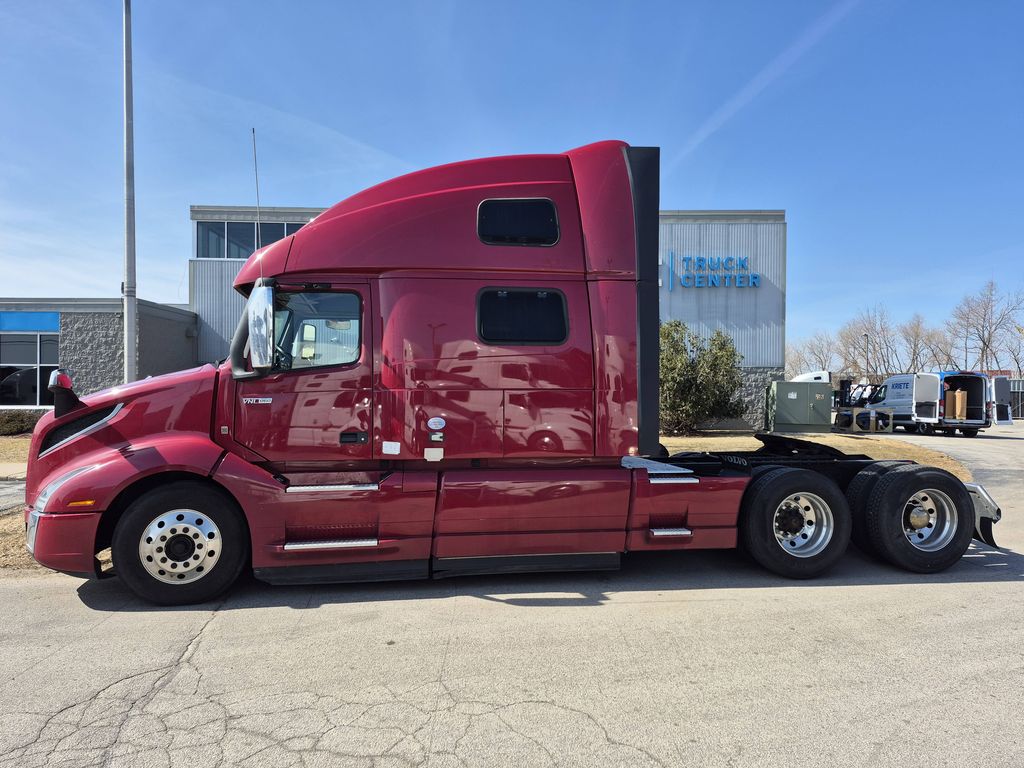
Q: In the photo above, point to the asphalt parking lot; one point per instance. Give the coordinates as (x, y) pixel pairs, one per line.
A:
(679, 659)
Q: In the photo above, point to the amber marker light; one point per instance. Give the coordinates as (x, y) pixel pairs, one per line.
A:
(82, 503)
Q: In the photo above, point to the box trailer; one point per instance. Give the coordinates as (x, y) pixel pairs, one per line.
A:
(453, 372)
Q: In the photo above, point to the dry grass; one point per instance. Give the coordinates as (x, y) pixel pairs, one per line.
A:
(875, 447)
(14, 449)
(13, 555)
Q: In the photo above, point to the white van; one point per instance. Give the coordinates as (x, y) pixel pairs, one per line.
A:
(914, 399)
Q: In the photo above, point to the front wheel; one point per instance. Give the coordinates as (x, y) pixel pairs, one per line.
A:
(181, 543)
(795, 522)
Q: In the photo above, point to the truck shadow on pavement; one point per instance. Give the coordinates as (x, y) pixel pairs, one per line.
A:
(660, 572)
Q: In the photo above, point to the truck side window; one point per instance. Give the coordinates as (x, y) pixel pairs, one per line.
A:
(530, 221)
(515, 316)
(316, 329)
(879, 395)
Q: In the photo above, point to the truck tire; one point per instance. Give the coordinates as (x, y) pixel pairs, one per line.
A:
(857, 494)
(925, 429)
(969, 432)
(920, 519)
(181, 543)
(795, 522)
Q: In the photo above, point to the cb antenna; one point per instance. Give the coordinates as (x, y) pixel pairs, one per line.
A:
(256, 173)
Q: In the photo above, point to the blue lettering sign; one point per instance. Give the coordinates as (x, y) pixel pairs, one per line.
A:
(711, 272)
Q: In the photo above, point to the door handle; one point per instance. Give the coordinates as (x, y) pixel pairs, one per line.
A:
(354, 437)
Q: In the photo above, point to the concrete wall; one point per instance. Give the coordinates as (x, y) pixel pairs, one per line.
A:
(91, 347)
(167, 339)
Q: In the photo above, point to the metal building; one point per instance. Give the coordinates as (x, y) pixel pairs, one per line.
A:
(726, 270)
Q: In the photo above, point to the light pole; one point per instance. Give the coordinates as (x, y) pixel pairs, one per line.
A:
(128, 286)
(867, 352)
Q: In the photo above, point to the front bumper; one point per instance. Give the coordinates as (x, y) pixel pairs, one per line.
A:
(63, 541)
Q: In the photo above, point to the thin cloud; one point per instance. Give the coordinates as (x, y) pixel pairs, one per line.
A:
(768, 75)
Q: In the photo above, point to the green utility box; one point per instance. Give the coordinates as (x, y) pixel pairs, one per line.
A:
(798, 406)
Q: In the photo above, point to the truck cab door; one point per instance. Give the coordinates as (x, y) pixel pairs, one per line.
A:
(314, 410)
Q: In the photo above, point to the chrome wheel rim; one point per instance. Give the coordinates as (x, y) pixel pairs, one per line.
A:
(180, 546)
(930, 520)
(803, 524)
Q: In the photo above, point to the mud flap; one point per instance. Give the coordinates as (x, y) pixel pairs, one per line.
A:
(986, 513)
(983, 532)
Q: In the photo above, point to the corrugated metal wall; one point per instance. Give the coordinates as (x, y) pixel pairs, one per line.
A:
(754, 317)
(217, 305)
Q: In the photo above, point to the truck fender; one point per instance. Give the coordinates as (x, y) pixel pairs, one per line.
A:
(114, 471)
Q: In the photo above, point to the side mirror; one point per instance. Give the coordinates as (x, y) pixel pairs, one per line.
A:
(64, 398)
(261, 328)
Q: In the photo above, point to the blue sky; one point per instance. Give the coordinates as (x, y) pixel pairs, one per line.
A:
(891, 132)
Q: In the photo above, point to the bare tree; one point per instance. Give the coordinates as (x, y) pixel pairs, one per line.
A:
(869, 344)
(986, 324)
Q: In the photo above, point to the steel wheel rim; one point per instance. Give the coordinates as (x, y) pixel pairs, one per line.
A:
(814, 531)
(930, 520)
(180, 546)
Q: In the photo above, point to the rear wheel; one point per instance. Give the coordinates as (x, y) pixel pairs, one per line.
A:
(795, 522)
(969, 432)
(179, 544)
(857, 494)
(920, 518)
(925, 429)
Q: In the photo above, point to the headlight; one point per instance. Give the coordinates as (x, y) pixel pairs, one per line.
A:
(48, 491)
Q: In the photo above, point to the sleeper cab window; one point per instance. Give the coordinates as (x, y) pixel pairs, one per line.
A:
(518, 316)
(527, 221)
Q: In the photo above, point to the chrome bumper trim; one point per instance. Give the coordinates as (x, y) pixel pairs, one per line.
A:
(30, 531)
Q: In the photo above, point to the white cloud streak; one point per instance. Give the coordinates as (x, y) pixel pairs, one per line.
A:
(775, 69)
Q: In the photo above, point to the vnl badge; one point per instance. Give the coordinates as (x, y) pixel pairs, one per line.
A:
(257, 400)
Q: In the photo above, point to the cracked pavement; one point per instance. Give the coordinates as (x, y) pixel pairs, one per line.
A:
(679, 659)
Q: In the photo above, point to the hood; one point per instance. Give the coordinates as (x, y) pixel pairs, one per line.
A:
(115, 418)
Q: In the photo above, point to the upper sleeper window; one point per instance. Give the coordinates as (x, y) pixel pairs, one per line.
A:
(522, 316)
(531, 221)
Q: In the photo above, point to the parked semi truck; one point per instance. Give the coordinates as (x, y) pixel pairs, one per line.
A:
(453, 372)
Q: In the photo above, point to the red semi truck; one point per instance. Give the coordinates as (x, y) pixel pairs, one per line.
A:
(453, 372)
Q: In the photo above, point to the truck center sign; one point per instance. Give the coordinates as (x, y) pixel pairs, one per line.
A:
(711, 272)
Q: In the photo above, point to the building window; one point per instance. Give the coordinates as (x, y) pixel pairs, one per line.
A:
(26, 362)
(517, 222)
(241, 239)
(520, 316)
(316, 329)
(210, 239)
(270, 233)
(237, 239)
